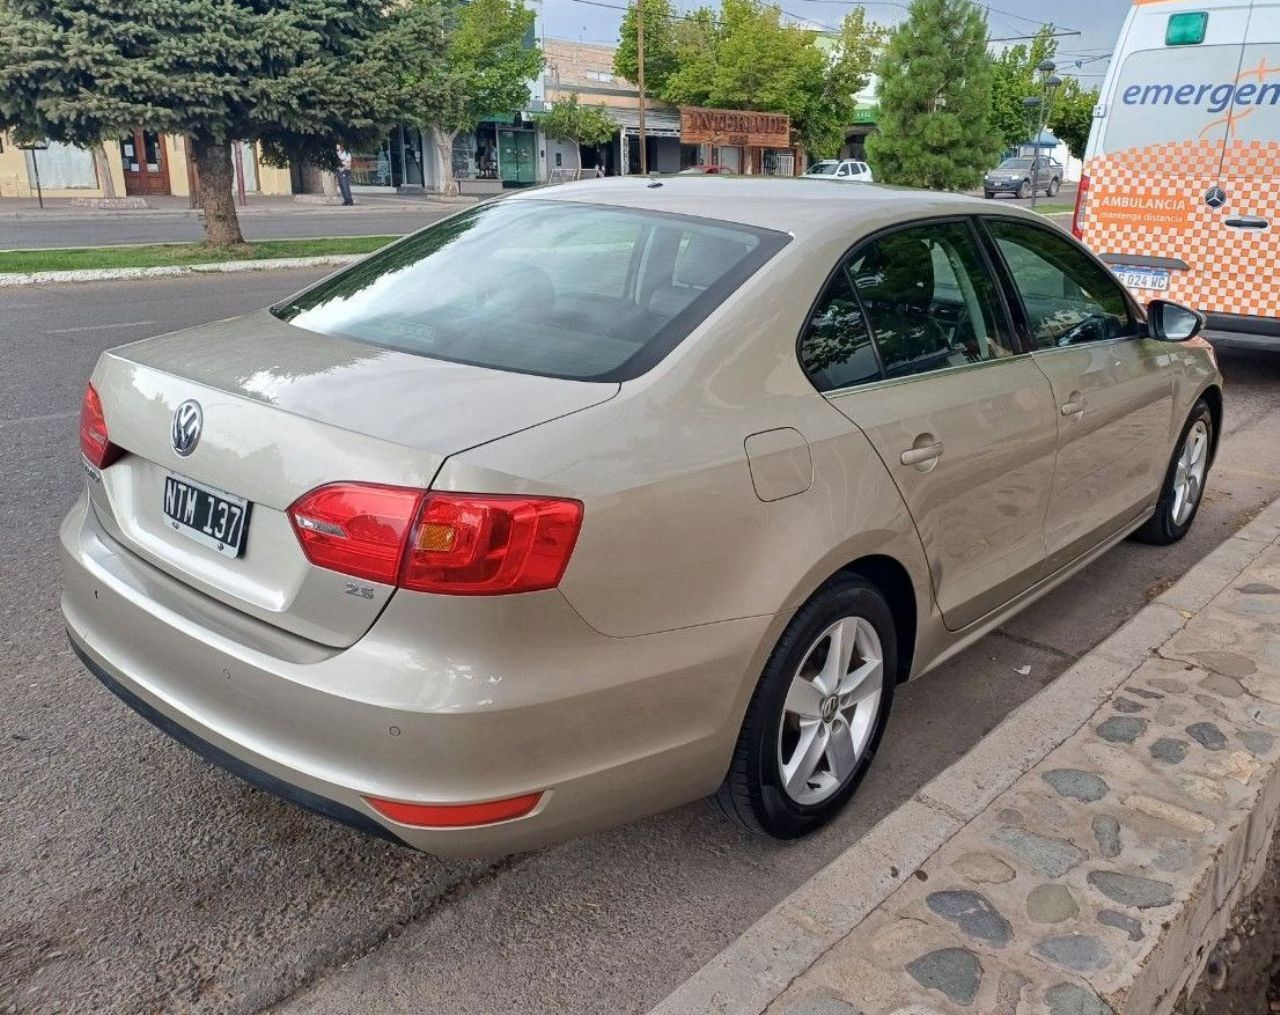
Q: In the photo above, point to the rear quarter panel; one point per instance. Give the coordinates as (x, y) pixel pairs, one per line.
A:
(674, 534)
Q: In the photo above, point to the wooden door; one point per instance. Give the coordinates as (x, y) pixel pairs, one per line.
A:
(146, 167)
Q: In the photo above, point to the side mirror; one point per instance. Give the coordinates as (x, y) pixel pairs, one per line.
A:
(1172, 322)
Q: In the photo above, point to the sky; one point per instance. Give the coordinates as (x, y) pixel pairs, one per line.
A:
(1097, 21)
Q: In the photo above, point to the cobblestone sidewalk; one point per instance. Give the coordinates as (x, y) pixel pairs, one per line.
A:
(1083, 859)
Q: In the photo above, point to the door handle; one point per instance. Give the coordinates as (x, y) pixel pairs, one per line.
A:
(1247, 222)
(1075, 407)
(921, 456)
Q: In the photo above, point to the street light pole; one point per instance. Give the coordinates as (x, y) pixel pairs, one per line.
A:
(1044, 102)
(644, 156)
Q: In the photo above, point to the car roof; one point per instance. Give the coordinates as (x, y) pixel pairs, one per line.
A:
(787, 204)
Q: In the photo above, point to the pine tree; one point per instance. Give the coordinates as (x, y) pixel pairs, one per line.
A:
(295, 75)
(935, 99)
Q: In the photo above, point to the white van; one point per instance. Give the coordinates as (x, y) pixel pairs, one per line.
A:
(1181, 187)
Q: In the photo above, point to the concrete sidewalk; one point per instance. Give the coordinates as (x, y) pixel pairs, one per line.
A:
(181, 207)
(1082, 859)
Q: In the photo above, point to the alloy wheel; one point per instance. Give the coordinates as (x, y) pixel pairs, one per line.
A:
(1188, 476)
(831, 711)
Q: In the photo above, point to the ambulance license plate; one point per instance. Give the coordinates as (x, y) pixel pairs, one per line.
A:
(1142, 278)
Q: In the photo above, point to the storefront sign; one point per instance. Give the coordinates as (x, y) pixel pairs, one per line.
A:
(734, 127)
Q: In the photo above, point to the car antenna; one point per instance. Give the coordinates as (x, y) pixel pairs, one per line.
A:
(653, 182)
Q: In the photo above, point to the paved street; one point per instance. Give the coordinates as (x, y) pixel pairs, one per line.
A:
(1065, 197)
(89, 228)
(138, 879)
(373, 216)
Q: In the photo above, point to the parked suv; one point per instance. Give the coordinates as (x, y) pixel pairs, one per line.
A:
(1015, 175)
(850, 170)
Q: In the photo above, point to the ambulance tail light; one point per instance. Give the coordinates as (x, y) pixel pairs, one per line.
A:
(1077, 217)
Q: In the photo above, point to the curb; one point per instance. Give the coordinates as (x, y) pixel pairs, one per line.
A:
(799, 937)
(15, 279)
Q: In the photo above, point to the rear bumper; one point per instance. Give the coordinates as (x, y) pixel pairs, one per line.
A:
(1238, 331)
(608, 729)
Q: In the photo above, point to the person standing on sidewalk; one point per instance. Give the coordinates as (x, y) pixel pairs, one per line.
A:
(344, 175)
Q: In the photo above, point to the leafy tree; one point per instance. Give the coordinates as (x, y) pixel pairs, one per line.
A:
(1014, 78)
(745, 57)
(295, 75)
(935, 99)
(569, 121)
(465, 62)
(1071, 115)
(661, 45)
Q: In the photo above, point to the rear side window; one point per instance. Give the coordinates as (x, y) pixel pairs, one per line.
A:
(836, 350)
(929, 299)
(543, 287)
(1067, 296)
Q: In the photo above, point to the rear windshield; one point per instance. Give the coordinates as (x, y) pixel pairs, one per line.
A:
(542, 287)
(1016, 164)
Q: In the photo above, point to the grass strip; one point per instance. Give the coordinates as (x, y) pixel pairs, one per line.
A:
(165, 254)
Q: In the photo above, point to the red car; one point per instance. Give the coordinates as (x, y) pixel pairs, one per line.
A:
(695, 170)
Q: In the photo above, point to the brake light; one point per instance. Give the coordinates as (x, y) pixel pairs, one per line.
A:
(448, 543)
(95, 443)
(455, 815)
(1077, 216)
(487, 545)
(358, 529)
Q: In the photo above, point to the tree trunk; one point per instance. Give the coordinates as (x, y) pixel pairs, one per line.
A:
(444, 156)
(577, 147)
(103, 168)
(216, 179)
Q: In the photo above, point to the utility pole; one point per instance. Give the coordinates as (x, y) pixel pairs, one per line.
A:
(644, 156)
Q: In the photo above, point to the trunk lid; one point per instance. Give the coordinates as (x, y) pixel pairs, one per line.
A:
(285, 410)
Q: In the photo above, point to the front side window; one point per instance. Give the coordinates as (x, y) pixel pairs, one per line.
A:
(545, 287)
(1068, 297)
(929, 299)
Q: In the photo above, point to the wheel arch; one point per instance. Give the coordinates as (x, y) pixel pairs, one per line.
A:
(1212, 396)
(893, 581)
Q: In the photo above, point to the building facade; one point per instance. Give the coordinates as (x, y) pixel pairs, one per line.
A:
(142, 163)
(675, 139)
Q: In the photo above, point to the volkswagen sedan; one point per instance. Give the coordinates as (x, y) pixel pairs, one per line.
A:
(585, 503)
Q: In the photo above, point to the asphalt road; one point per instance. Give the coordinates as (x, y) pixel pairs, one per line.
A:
(106, 228)
(135, 878)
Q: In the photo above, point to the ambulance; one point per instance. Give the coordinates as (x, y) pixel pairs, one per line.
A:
(1181, 186)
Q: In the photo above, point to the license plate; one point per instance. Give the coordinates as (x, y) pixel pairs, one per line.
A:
(212, 517)
(1142, 278)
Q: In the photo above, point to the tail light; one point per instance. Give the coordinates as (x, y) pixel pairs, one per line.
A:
(448, 543)
(95, 443)
(1077, 217)
(356, 528)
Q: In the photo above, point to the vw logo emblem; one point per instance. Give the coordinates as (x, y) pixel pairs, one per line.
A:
(188, 419)
(1216, 197)
(829, 707)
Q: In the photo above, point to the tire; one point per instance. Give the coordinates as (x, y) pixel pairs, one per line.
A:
(988, 194)
(756, 791)
(1173, 516)
(1024, 190)
(1055, 185)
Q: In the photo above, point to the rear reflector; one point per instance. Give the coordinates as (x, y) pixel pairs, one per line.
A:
(94, 441)
(455, 815)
